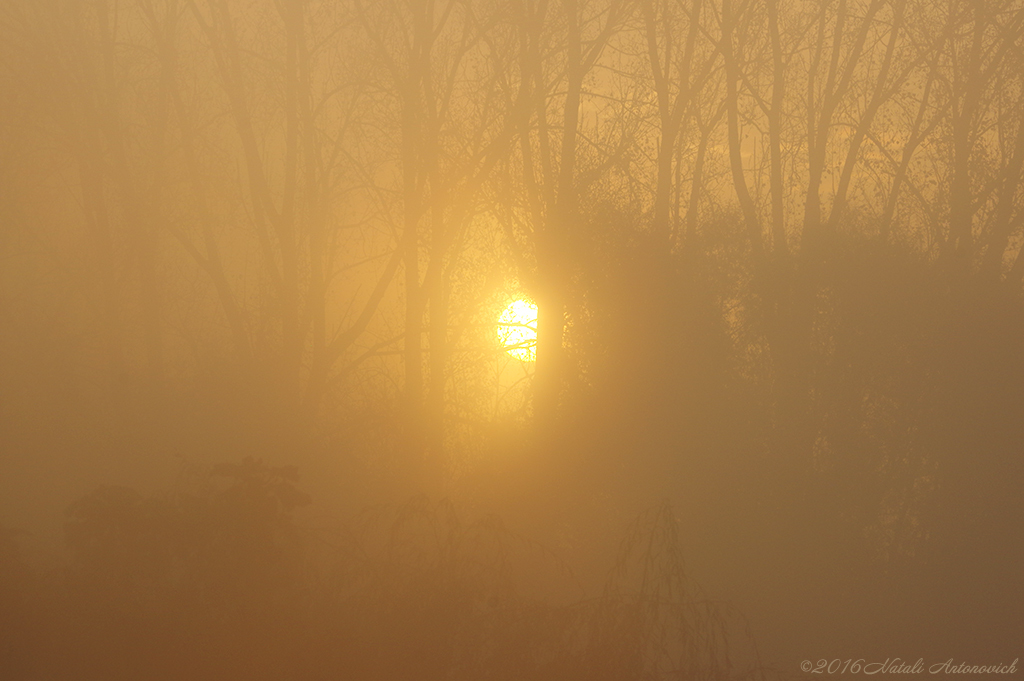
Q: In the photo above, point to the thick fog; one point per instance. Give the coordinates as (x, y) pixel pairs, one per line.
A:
(511, 339)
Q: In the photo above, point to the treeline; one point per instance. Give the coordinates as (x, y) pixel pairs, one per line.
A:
(309, 186)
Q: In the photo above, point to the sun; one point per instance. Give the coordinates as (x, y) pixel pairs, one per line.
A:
(517, 330)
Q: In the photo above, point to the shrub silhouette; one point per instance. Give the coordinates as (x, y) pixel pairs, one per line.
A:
(222, 583)
(183, 584)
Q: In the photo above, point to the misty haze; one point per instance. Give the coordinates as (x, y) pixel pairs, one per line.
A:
(549, 340)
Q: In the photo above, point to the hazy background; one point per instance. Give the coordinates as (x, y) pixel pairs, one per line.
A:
(256, 420)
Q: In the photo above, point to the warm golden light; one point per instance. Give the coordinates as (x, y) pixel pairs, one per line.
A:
(517, 330)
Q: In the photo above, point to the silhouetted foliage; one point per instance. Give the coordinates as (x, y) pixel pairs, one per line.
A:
(218, 584)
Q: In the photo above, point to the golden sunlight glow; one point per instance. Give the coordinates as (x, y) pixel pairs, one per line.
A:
(517, 330)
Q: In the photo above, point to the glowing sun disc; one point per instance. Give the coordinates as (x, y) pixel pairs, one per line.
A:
(517, 330)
